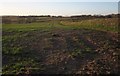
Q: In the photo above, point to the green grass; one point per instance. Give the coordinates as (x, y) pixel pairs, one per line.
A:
(19, 67)
(96, 24)
(26, 27)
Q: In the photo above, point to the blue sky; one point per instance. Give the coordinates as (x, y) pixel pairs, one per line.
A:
(59, 0)
(51, 7)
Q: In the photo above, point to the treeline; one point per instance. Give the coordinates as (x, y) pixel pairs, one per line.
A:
(28, 19)
(46, 18)
(83, 17)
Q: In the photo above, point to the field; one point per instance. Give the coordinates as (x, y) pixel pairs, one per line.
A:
(61, 47)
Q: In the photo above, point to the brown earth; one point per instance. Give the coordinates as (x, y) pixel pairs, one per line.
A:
(70, 51)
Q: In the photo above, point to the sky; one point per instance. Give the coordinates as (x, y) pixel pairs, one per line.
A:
(59, 0)
(55, 7)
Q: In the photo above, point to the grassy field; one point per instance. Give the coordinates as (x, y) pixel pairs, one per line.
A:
(61, 47)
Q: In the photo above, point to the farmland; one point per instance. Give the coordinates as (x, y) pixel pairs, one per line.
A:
(61, 46)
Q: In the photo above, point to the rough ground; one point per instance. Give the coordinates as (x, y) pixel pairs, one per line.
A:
(65, 52)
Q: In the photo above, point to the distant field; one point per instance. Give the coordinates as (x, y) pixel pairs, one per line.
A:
(61, 47)
(107, 24)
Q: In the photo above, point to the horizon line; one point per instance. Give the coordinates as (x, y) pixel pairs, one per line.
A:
(63, 15)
